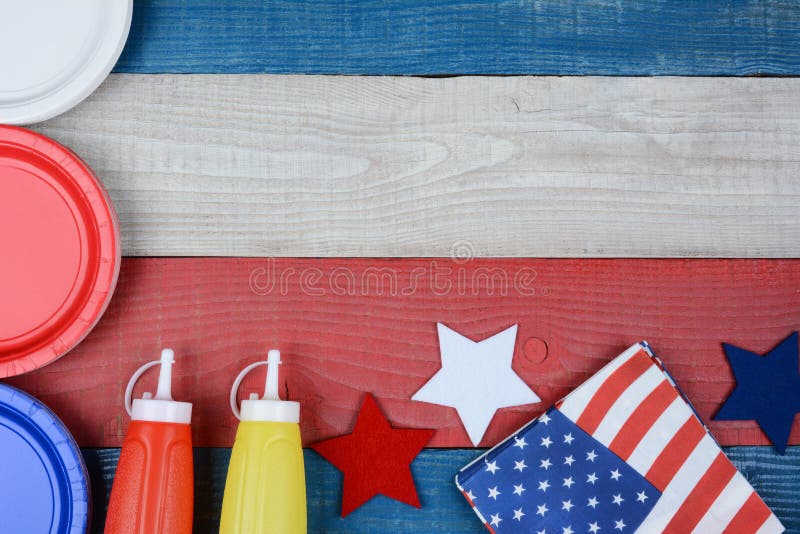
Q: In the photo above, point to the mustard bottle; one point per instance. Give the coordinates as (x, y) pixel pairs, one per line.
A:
(265, 491)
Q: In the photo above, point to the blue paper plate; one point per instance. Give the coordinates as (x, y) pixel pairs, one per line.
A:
(44, 487)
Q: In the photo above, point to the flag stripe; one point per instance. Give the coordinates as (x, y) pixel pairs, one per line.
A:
(727, 505)
(611, 389)
(750, 517)
(642, 419)
(656, 439)
(627, 403)
(771, 526)
(702, 496)
(689, 472)
(676, 452)
(573, 405)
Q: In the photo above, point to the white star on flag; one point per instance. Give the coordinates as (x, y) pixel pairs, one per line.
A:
(541, 510)
(518, 513)
(519, 465)
(491, 467)
(493, 493)
(518, 489)
(476, 379)
(544, 418)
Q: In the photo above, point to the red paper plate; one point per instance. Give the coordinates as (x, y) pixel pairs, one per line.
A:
(59, 250)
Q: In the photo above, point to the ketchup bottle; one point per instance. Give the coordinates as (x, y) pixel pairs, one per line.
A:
(265, 492)
(153, 487)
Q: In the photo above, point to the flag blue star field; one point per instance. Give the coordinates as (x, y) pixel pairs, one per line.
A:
(624, 452)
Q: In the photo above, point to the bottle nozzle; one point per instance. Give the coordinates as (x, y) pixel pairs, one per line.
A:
(164, 391)
(271, 387)
(160, 407)
(270, 407)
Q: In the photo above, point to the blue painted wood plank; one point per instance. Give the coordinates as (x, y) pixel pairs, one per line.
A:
(429, 37)
(776, 478)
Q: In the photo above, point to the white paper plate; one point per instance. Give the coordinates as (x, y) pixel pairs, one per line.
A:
(54, 53)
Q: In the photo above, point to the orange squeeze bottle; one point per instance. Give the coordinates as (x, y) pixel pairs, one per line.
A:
(153, 486)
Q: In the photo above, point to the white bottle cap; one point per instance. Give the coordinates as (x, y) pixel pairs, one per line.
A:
(270, 407)
(162, 408)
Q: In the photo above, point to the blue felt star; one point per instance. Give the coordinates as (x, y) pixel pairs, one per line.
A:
(767, 389)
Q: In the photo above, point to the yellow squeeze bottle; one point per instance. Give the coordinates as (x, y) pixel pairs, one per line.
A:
(265, 491)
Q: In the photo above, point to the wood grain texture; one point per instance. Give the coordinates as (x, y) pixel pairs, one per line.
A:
(350, 326)
(443, 509)
(521, 167)
(457, 37)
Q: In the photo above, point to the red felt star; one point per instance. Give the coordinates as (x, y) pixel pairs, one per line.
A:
(375, 458)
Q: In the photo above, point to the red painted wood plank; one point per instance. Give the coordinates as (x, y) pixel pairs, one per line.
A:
(352, 325)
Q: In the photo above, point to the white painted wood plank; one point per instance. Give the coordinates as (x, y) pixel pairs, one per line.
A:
(257, 165)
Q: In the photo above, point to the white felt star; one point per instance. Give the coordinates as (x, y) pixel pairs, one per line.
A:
(518, 513)
(496, 519)
(476, 379)
(493, 493)
(519, 489)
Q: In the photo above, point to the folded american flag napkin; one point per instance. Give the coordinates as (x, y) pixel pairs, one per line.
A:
(624, 452)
